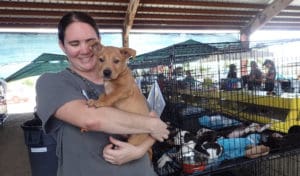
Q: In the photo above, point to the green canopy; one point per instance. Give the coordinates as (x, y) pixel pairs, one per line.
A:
(44, 63)
(189, 50)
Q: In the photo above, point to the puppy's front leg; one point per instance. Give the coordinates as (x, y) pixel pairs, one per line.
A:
(103, 101)
(99, 102)
(112, 98)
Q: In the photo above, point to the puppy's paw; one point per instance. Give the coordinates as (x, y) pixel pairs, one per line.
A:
(99, 104)
(95, 103)
(91, 103)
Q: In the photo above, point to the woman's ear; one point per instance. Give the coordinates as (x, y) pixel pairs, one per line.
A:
(62, 47)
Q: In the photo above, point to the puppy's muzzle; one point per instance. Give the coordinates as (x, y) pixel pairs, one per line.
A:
(107, 73)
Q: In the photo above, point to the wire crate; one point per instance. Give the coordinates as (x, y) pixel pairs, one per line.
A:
(223, 123)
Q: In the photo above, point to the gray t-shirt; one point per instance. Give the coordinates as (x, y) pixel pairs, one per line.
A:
(79, 154)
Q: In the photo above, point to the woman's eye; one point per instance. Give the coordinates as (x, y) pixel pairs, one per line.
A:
(74, 43)
(101, 59)
(116, 61)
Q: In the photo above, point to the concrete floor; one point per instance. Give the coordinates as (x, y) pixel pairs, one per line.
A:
(13, 151)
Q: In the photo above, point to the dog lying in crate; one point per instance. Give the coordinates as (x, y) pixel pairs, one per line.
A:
(121, 90)
(206, 149)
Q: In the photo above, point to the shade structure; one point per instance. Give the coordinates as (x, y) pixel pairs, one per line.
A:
(177, 53)
(45, 63)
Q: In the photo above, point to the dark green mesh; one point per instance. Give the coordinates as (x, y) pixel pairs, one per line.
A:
(44, 63)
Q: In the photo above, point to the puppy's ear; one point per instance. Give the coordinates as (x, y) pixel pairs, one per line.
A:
(188, 137)
(95, 45)
(128, 52)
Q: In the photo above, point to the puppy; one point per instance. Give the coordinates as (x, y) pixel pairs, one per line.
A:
(121, 90)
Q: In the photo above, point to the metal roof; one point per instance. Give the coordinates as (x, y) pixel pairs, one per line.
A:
(246, 16)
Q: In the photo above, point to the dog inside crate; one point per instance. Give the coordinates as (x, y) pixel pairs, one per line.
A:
(207, 149)
(202, 141)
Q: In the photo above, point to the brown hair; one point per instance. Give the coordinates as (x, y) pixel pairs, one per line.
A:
(71, 17)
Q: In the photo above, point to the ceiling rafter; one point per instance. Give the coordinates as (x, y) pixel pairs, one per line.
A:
(126, 15)
(203, 3)
(60, 6)
(266, 15)
(128, 21)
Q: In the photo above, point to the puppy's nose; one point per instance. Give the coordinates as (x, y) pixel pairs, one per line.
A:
(107, 73)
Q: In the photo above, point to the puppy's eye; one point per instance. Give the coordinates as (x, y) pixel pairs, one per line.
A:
(116, 61)
(101, 59)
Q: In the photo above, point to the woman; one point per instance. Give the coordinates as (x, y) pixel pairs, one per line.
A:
(232, 72)
(270, 77)
(61, 105)
(255, 77)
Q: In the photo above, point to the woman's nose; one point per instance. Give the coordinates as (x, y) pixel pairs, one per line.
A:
(85, 49)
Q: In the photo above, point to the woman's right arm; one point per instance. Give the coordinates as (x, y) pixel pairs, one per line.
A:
(59, 94)
(110, 120)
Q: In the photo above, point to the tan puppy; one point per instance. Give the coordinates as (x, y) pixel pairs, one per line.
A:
(121, 90)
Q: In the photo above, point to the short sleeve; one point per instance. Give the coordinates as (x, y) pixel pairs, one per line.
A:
(52, 91)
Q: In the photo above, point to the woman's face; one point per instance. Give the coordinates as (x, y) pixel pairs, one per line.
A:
(268, 65)
(76, 47)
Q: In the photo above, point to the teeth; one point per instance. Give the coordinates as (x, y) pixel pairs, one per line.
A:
(85, 60)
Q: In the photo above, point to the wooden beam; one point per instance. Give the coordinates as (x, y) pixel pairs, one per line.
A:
(128, 22)
(205, 4)
(263, 17)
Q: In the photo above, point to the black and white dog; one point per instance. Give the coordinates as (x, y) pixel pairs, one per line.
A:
(187, 145)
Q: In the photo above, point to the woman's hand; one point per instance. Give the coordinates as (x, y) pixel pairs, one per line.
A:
(119, 152)
(160, 130)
